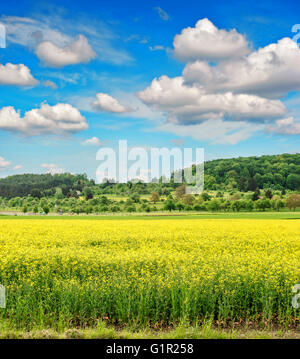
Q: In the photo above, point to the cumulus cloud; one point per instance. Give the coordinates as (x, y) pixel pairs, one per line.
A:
(50, 84)
(108, 103)
(226, 92)
(18, 75)
(285, 126)
(206, 41)
(4, 163)
(53, 169)
(191, 104)
(94, 141)
(77, 52)
(271, 71)
(59, 119)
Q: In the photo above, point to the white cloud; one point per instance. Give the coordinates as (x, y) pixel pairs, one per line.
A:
(29, 32)
(94, 141)
(4, 163)
(61, 32)
(108, 103)
(71, 78)
(206, 41)
(53, 169)
(162, 13)
(139, 109)
(271, 71)
(215, 131)
(191, 104)
(18, 75)
(18, 167)
(59, 119)
(77, 52)
(285, 126)
(156, 48)
(226, 93)
(50, 84)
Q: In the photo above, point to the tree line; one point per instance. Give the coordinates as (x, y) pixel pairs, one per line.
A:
(243, 174)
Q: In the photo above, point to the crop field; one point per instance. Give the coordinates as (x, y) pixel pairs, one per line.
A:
(67, 273)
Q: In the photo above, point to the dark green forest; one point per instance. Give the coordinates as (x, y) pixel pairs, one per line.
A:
(276, 172)
(42, 185)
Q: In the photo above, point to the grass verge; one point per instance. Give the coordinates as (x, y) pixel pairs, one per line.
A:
(181, 332)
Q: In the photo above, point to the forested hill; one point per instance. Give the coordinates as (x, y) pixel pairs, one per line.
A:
(248, 173)
(39, 185)
(278, 172)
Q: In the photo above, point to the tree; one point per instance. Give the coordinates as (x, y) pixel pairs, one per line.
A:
(76, 210)
(205, 196)
(256, 195)
(213, 205)
(88, 209)
(198, 207)
(59, 194)
(46, 209)
(210, 182)
(135, 198)
(188, 208)
(236, 206)
(293, 201)
(180, 192)
(242, 184)
(115, 209)
(148, 209)
(293, 181)
(155, 197)
(88, 193)
(249, 206)
(258, 204)
(262, 204)
(225, 206)
(169, 205)
(180, 206)
(188, 199)
(268, 194)
(103, 209)
(131, 209)
(36, 193)
(279, 204)
(252, 185)
(25, 209)
(104, 201)
(36, 209)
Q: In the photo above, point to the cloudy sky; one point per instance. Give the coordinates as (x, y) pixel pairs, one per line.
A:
(78, 75)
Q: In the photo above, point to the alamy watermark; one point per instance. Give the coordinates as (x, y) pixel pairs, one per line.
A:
(2, 36)
(2, 296)
(296, 298)
(296, 28)
(179, 165)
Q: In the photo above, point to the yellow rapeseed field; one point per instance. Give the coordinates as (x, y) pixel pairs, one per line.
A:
(76, 272)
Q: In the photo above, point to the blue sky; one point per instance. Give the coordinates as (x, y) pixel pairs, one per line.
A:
(59, 57)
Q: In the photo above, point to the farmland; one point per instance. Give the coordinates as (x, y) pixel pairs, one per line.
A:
(137, 272)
